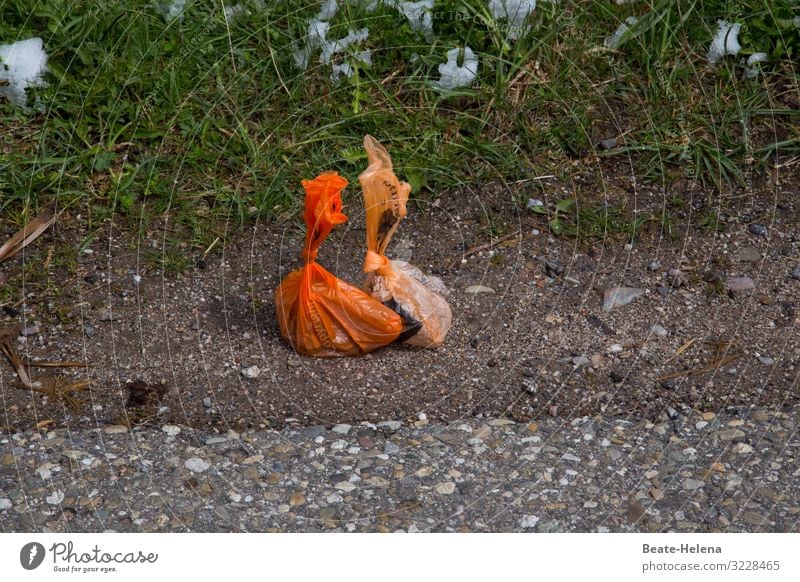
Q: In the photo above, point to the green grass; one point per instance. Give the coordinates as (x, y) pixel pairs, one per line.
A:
(202, 121)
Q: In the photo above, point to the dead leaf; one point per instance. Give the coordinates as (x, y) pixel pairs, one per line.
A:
(28, 234)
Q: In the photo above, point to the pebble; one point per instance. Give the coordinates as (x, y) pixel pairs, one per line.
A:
(619, 296)
(196, 465)
(657, 494)
(341, 428)
(796, 273)
(207, 402)
(115, 429)
(729, 434)
(390, 425)
(55, 498)
(742, 448)
(579, 361)
(754, 518)
(758, 230)
(740, 285)
(446, 488)
(693, 484)
(106, 315)
(251, 372)
(654, 266)
(534, 203)
(31, 330)
(529, 521)
(659, 331)
(171, 429)
(297, 499)
(766, 360)
(747, 255)
(5, 503)
(478, 289)
(345, 486)
(391, 448)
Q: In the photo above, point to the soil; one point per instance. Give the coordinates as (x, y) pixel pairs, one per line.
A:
(540, 345)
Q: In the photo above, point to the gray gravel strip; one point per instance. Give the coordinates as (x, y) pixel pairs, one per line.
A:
(691, 473)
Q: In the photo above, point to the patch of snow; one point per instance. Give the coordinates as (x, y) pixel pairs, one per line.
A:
(753, 66)
(453, 76)
(316, 34)
(725, 42)
(346, 69)
(22, 65)
(615, 40)
(516, 12)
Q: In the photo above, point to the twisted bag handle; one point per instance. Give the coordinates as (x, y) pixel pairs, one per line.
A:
(323, 210)
(385, 199)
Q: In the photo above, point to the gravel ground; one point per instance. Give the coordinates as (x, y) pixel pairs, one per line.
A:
(691, 473)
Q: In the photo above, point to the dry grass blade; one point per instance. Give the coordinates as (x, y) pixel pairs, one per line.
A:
(681, 349)
(16, 363)
(67, 364)
(28, 234)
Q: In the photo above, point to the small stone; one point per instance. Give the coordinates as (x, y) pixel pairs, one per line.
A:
(55, 498)
(754, 518)
(693, 484)
(616, 376)
(742, 448)
(297, 499)
(115, 429)
(5, 503)
(718, 467)
(553, 268)
(608, 143)
(345, 486)
(234, 497)
(708, 416)
(740, 285)
(532, 427)
(391, 448)
(674, 278)
(171, 429)
(294, 362)
(207, 402)
(196, 465)
(659, 331)
(729, 434)
(618, 296)
(759, 230)
(534, 203)
(251, 372)
(390, 425)
(796, 273)
(422, 416)
(766, 360)
(579, 361)
(446, 488)
(747, 255)
(106, 315)
(654, 266)
(657, 494)
(342, 428)
(31, 330)
(529, 521)
(478, 289)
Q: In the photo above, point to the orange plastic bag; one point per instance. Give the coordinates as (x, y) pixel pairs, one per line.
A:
(319, 314)
(418, 298)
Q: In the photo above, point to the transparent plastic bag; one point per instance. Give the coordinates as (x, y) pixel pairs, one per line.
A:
(419, 299)
(319, 314)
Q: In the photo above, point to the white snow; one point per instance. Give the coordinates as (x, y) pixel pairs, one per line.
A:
(454, 76)
(615, 40)
(725, 41)
(516, 12)
(753, 67)
(346, 69)
(22, 65)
